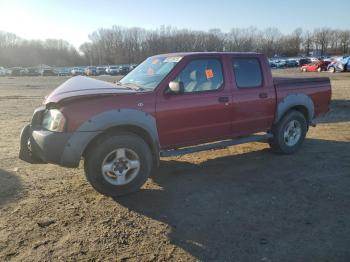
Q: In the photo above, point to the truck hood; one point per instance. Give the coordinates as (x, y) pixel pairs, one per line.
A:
(84, 86)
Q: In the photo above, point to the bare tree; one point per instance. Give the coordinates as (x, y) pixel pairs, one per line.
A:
(119, 45)
(308, 41)
(344, 40)
(269, 39)
(322, 38)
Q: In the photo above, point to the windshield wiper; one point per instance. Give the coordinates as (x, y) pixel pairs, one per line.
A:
(118, 83)
(133, 86)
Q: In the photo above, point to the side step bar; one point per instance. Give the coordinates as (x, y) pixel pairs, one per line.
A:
(215, 145)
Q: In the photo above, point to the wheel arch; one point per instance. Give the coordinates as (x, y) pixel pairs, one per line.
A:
(119, 120)
(302, 109)
(133, 129)
(298, 102)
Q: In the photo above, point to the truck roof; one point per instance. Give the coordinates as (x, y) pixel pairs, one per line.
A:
(207, 53)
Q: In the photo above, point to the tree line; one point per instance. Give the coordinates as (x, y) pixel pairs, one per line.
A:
(15, 51)
(120, 45)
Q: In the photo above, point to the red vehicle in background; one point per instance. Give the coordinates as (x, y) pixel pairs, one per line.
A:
(316, 66)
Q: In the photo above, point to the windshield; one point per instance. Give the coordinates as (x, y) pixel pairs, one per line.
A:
(150, 72)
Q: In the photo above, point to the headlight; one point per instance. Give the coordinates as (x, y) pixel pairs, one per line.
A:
(54, 120)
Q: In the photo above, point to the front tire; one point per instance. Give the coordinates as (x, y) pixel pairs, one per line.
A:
(289, 133)
(118, 164)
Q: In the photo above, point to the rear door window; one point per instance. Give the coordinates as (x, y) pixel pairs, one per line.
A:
(247, 72)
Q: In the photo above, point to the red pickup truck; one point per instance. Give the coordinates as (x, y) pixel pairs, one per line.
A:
(171, 104)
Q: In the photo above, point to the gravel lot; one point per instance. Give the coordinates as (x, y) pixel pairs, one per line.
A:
(243, 203)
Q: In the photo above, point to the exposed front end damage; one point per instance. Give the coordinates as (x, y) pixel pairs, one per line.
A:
(39, 146)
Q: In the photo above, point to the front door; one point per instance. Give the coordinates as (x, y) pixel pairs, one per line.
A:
(201, 112)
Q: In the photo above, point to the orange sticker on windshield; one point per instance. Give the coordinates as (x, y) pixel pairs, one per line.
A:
(155, 61)
(209, 73)
(150, 71)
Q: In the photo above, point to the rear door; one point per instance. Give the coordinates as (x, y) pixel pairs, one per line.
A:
(253, 96)
(199, 114)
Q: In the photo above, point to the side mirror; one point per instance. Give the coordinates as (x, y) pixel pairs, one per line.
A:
(175, 88)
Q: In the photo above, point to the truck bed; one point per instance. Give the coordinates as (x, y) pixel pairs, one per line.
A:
(281, 82)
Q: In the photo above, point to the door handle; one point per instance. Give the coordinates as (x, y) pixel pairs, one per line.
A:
(224, 99)
(263, 95)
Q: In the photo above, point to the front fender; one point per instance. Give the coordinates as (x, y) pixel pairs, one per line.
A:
(103, 121)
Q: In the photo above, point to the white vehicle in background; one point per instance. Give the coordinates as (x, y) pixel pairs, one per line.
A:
(101, 70)
(327, 59)
(113, 70)
(2, 71)
(132, 67)
(76, 71)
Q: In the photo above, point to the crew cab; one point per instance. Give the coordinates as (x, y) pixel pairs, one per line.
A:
(170, 105)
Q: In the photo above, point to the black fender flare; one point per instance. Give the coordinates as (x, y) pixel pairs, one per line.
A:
(98, 124)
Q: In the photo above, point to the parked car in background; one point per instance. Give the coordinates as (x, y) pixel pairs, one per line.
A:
(123, 70)
(112, 70)
(316, 66)
(280, 63)
(48, 72)
(272, 63)
(31, 71)
(90, 71)
(100, 70)
(76, 71)
(17, 71)
(291, 63)
(303, 61)
(325, 58)
(170, 105)
(63, 71)
(2, 71)
(340, 64)
(132, 67)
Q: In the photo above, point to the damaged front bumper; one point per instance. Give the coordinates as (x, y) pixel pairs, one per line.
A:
(42, 146)
(39, 146)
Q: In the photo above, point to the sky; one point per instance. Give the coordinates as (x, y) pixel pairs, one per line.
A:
(74, 20)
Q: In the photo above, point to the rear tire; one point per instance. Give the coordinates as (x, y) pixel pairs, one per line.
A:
(118, 164)
(289, 133)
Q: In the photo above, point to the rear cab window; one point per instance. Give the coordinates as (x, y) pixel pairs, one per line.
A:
(247, 72)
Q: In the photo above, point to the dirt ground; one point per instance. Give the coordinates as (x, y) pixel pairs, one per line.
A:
(243, 203)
